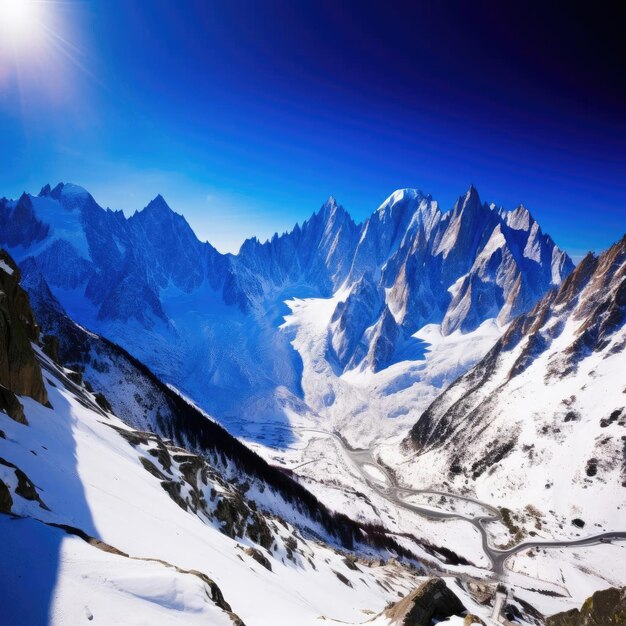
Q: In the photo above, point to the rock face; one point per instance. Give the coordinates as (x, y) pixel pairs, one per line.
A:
(603, 608)
(19, 370)
(457, 269)
(430, 600)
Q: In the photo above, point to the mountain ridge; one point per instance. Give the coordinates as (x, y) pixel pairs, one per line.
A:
(149, 284)
(565, 354)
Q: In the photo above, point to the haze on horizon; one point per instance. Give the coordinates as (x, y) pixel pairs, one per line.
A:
(247, 117)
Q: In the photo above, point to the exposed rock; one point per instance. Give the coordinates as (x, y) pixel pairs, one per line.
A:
(232, 512)
(25, 487)
(603, 608)
(258, 531)
(20, 225)
(149, 466)
(350, 563)
(12, 406)
(103, 403)
(173, 490)
(483, 594)
(6, 501)
(343, 579)
(430, 600)
(76, 377)
(259, 557)
(50, 346)
(19, 369)
(470, 619)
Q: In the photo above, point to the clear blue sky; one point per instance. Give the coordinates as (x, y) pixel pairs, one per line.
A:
(246, 115)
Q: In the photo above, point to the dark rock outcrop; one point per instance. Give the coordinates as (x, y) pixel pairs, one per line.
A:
(11, 405)
(6, 501)
(430, 600)
(19, 370)
(603, 608)
(259, 557)
(19, 225)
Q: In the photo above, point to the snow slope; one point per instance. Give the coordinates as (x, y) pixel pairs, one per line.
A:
(90, 472)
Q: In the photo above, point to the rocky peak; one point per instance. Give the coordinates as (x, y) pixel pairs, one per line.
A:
(158, 202)
(19, 225)
(156, 208)
(162, 224)
(607, 606)
(519, 219)
(330, 213)
(56, 192)
(401, 199)
(470, 201)
(72, 196)
(331, 204)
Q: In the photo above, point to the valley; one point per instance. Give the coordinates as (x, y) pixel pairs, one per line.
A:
(382, 481)
(367, 384)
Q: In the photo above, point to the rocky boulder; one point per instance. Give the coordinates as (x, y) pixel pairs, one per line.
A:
(430, 600)
(259, 557)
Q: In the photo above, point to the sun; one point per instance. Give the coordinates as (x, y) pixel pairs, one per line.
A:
(22, 23)
(37, 47)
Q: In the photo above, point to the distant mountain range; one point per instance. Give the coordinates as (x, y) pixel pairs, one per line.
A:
(210, 322)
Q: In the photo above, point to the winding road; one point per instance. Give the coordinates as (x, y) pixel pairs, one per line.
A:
(394, 493)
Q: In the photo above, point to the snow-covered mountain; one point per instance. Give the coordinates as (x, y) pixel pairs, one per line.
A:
(103, 521)
(455, 269)
(212, 324)
(537, 426)
(105, 518)
(142, 504)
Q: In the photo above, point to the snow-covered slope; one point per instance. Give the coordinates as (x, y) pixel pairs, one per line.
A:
(101, 521)
(126, 387)
(212, 324)
(123, 526)
(538, 425)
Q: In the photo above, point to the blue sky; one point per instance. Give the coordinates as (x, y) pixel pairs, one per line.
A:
(245, 116)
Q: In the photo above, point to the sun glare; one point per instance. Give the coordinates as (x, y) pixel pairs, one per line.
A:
(35, 46)
(22, 22)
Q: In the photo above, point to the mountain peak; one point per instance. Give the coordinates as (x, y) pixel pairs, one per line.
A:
(157, 206)
(400, 202)
(66, 190)
(469, 202)
(331, 210)
(330, 207)
(399, 195)
(519, 219)
(472, 197)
